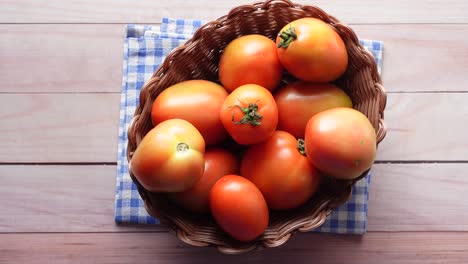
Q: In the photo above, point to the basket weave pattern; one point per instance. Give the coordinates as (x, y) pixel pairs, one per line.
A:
(198, 59)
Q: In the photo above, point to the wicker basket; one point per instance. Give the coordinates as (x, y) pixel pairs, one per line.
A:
(198, 59)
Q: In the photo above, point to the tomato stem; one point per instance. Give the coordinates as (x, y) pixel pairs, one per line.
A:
(287, 36)
(251, 115)
(182, 147)
(301, 146)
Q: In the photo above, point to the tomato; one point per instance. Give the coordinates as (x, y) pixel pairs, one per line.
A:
(312, 50)
(341, 142)
(170, 157)
(299, 101)
(197, 101)
(249, 114)
(218, 162)
(250, 59)
(239, 207)
(282, 172)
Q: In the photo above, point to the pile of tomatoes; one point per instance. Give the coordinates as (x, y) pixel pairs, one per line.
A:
(247, 145)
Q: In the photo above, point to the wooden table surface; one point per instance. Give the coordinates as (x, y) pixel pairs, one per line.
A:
(60, 79)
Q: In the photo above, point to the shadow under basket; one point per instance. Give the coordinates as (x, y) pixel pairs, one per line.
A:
(198, 59)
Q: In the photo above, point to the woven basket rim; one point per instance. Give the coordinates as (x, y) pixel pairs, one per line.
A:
(162, 75)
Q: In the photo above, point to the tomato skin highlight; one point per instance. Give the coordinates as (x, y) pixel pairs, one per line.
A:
(239, 208)
(299, 101)
(286, 178)
(218, 162)
(317, 54)
(260, 103)
(250, 59)
(198, 102)
(341, 142)
(170, 157)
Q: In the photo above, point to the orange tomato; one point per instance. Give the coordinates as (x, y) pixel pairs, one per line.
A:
(198, 102)
(312, 50)
(299, 101)
(282, 172)
(341, 142)
(170, 157)
(249, 114)
(239, 208)
(218, 162)
(250, 59)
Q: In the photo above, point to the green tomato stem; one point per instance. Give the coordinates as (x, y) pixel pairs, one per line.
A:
(181, 147)
(251, 115)
(301, 146)
(287, 37)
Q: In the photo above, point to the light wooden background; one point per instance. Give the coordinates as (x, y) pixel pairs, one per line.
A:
(60, 75)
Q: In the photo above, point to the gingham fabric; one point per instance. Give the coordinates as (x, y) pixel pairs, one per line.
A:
(145, 47)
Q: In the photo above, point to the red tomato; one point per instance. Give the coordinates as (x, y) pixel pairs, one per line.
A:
(170, 157)
(341, 142)
(197, 101)
(218, 162)
(249, 114)
(250, 59)
(239, 208)
(312, 50)
(299, 101)
(282, 172)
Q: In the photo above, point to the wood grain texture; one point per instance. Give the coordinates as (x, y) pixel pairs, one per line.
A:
(61, 58)
(403, 197)
(425, 126)
(59, 127)
(107, 11)
(421, 58)
(59, 199)
(88, 58)
(84, 127)
(418, 197)
(412, 247)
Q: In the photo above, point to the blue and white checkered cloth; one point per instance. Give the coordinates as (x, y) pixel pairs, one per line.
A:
(145, 48)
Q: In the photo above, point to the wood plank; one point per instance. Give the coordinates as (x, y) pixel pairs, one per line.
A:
(84, 127)
(106, 11)
(59, 127)
(59, 199)
(425, 126)
(61, 58)
(421, 57)
(412, 247)
(418, 197)
(403, 197)
(88, 58)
